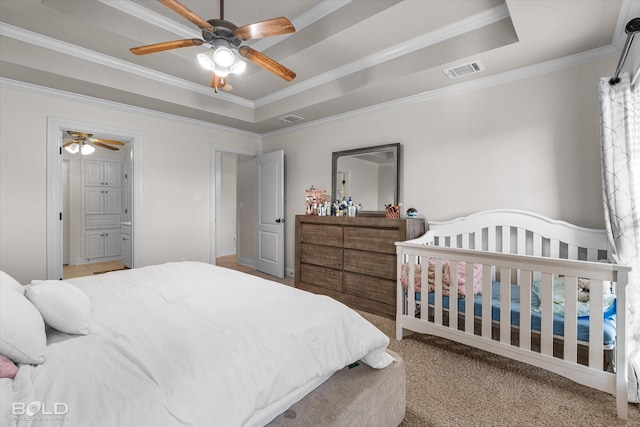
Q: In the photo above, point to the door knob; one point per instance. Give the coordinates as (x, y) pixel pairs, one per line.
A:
(279, 220)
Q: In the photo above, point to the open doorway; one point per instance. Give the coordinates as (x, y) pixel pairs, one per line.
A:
(235, 202)
(85, 212)
(96, 203)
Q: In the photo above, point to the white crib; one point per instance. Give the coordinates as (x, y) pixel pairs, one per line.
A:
(517, 251)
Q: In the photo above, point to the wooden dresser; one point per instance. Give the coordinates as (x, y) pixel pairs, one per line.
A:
(352, 259)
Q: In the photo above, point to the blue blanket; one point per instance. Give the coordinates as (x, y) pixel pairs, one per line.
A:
(609, 327)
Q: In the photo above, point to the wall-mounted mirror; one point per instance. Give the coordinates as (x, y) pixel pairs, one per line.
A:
(370, 175)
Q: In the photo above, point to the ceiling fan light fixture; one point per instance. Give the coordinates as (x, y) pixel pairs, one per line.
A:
(206, 61)
(87, 149)
(238, 66)
(223, 56)
(73, 148)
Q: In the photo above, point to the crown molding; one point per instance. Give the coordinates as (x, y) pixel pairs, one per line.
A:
(43, 90)
(447, 32)
(494, 80)
(11, 31)
(144, 14)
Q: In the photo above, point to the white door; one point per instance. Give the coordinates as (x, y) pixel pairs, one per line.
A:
(270, 237)
(94, 200)
(113, 174)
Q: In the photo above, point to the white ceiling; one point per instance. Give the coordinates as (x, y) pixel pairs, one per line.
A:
(349, 55)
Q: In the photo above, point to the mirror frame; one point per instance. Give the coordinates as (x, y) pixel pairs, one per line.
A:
(395, 147)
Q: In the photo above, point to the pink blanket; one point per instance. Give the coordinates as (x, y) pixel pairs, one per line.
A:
(446, 277)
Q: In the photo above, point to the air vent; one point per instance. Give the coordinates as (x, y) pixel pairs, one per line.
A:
(290, 118)
(463, 69)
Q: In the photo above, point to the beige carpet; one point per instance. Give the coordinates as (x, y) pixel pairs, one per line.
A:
(450, 384)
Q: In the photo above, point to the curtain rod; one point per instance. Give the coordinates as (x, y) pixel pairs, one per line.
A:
(631, 29)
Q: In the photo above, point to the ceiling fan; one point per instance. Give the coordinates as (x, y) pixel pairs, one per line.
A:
(83, 142)
(224, 37)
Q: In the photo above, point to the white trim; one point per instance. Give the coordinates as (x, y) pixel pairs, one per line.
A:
(447, 32)
(494, 80)
(216, 188)
(11, 31)
(518, 74)
(55, 126)
(153, 18)
(117, 106)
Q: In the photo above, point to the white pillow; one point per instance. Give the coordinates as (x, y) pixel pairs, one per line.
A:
(22, 335)
(63, 306)
(5, 279)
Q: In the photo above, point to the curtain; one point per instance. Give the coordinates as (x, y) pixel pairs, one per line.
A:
(620, 140)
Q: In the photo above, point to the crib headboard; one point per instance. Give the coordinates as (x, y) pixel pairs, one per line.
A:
(519, 232)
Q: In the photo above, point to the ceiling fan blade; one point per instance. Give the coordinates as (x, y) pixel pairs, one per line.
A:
(68, 143)
(267, 63)
(99, 144)
(106, 141)
(159, 47)
(182, 10)
(270, 27)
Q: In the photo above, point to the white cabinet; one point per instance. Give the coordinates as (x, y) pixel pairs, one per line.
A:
(101, 244)
(102, 209)
(103, 173)
(100, 200)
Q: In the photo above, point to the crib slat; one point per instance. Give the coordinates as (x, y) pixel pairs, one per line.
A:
(477, 240)
(437, 317)
(554, 248)
(505, 305)
(572, 251)
(486, 301)
(537, 245)
(525, 309)
(506, 239)
(491, 239)
(453, 295)
(546, 313)
(570, 318)
(595, 323)
(468, 306)
(522, 241)
(465, 241)
(411, 290)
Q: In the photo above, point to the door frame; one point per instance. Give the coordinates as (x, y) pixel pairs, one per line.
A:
(55, 128)
(216, 188)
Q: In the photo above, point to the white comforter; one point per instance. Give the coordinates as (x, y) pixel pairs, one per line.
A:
(189, 344)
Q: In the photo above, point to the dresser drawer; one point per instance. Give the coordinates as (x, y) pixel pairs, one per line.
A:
(370, 263)
(369, 287)
(372, 239)
(327, 256)
(329, 235)
(323, 277)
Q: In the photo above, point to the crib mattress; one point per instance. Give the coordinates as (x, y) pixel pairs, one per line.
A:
(609, 329)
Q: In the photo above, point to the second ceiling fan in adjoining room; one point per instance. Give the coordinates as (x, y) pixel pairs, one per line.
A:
(224, 37)
(84, 143)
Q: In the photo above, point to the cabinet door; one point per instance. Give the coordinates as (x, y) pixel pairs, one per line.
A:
(111, 243)
(112, 201)
(94, 200)
(93, 244)
(113, 174)
(93, 172)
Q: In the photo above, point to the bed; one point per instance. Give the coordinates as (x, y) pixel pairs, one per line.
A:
(189, 343)
(522, 286)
